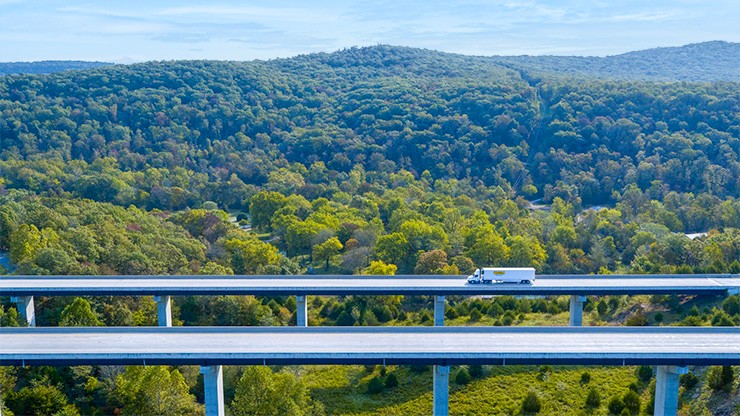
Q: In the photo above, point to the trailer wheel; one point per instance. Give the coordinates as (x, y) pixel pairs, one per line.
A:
(525, 282)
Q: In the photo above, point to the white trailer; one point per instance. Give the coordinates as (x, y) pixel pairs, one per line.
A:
(488, 275)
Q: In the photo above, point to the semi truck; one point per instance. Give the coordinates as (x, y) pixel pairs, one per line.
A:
(490, 275)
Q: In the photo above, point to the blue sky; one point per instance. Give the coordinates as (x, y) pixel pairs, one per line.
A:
(135, 30)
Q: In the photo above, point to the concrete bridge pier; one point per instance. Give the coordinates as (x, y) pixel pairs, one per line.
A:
(666, 389)
(213, 385)
(301, 310)
(24, 305)
(164, 310)
(441, 399)
(441, 382)
(576, 310)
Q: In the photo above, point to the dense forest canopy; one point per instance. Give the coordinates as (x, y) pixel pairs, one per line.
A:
(174, 134)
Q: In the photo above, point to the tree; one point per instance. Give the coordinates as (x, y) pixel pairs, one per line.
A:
(644, 373)
(154, 391)
(379, 268)
(486, 247)
(431, 262)
(422, 236)
(326, 250)
(721, 378)
(526, 252)
(593, 400)
(392, 248)
(462, 376)
(27, 240)
(79, 313)
(250, 255)
(731, 305)
(260, 391)
(40, 398)
(262, 206)
(391, 380)
(616, 405)
(631, 402)
(531, 403)
(375, 385)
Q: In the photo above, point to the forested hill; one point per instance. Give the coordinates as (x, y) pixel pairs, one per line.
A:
(701, 62)
(170, 135)
(46, 67)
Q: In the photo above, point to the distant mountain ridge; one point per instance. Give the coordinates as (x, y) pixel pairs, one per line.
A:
(47, 67)
(698, 62)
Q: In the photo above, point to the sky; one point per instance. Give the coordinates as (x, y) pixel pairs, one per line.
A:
(125, 31)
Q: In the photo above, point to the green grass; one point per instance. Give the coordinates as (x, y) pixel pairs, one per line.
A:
(342, 389)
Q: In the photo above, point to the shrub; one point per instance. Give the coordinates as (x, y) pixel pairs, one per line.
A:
(475, 315)
(616, 405)
(689, 380)
(544, 373)
(720, 378)
(476, 371)
(638, 319)
(602, 308)
(631, 402)
(375, 385)
(731, 305)
(391, 381)
(593, 400)
(462, 377)
(531, 403)
(644, 373)
(425, 317)
(585, 377)
(720, 318)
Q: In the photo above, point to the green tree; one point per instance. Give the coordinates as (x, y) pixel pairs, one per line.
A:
(526, 252)
(531, 403)
(486, 247)
(79, 313)
(41, 398)
(375, 385)
(326, 250)
(392, 248)
(250, 255)
(379, 268)
(154, 391)
(631, 402)
(593, 400)
(27, 240)
(260, 392)
(721, 378)
(731, 305)
(262, 206)
(462, 376)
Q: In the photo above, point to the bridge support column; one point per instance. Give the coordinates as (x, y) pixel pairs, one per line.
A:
(25, 307)
(164, 310)
(301, 310)
(666, 389)
(441, 390)
(441, 406)
(439, 310)
(213, 384)
(576, 310)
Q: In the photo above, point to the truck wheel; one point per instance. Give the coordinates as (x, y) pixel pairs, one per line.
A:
(526, 282)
